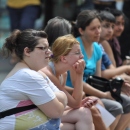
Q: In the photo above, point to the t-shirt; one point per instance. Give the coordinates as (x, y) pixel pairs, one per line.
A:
(24, 88)
(90, 63)
(115, 46)
(22, 3)
(105, 59)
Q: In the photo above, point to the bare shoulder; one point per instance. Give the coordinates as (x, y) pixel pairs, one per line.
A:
(106, 47)
(105, 43)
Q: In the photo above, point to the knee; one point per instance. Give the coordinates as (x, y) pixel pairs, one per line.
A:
(95, 111)
(116, 109)
(85, 114)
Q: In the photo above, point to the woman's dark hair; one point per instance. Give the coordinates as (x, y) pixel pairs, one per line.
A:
(107, 16)
(116, 12)
(56, 27)
(18, 40)
(84, 19)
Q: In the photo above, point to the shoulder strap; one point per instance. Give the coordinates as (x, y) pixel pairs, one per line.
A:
(51, 64)
(16, 110)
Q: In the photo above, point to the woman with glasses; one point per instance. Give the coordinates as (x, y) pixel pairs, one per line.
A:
(68, 56)
(29, 100)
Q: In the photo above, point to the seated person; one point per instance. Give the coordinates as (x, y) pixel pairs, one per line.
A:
(107, 31)
(108, 70)
(112, 48)
(88, 25)
(27, 99)
(56, 27)
(68, 46)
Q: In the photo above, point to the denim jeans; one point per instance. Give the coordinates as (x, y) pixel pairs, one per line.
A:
(23, 18)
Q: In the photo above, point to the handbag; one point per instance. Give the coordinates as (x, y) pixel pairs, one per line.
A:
(102, 84)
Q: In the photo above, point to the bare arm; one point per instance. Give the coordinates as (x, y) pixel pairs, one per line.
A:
(55, 108)
(98, 68)
(108, 50)
(112, 71)
(88, 89)
(72, 101)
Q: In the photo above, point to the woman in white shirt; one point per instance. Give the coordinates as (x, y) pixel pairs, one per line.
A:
(29, 100)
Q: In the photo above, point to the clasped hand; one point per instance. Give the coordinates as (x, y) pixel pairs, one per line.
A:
(78, 66)
(88, 102)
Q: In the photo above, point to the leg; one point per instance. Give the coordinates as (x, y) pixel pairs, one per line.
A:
(29, 16)
(81, 117)
(97, 119)
(67, 126)
(114, 124)
(123, 122)
(15, 16)
(115, 109)
(125, 118)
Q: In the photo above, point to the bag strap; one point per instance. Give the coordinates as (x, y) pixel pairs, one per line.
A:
(16, 110)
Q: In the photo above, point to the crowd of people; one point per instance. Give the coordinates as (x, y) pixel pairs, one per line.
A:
(48, 87)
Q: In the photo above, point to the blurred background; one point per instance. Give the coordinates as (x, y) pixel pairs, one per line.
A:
(65, 8)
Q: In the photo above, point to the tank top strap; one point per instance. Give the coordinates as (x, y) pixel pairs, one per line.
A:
(51, 64)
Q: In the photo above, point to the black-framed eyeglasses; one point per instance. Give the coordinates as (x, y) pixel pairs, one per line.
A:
(46, 48)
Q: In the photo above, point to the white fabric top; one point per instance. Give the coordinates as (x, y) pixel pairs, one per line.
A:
(26, 87)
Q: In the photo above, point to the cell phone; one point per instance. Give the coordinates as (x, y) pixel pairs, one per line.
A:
(95, 100)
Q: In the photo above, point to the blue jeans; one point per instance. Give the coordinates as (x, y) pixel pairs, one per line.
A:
(23, 18)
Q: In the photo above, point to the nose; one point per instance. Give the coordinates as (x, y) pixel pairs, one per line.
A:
(121, 27)
(48, 51)
(98, 30)
(81, 56)
(111, 29)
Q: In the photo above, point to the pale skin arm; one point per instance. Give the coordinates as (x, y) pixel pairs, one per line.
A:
(88, 89)
(112, 71)
(73, 101)
(55, 108)
(77, 83)
(98, 68)
(108, 50)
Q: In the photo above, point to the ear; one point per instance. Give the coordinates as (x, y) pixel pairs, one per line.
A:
(63, 59)
(81, 31)
(26, 51)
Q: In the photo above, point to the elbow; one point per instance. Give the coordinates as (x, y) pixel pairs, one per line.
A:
(56, 114)
(106, 76)
(75, 105)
